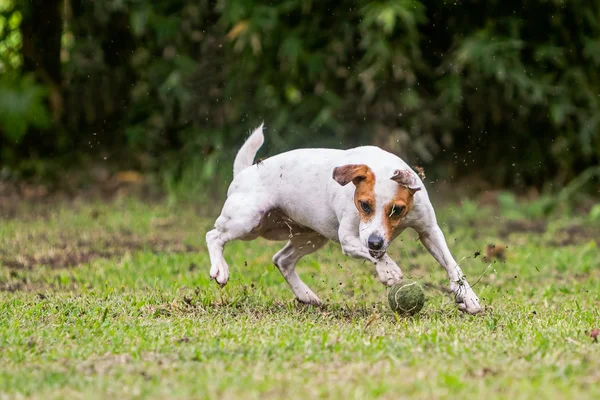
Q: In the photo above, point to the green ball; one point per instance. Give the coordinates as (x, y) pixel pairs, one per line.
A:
(406, 297)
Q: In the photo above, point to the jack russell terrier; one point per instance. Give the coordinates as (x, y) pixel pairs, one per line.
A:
(303, 196)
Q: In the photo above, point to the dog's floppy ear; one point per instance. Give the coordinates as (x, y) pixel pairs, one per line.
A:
(406, 179)
(350, 173)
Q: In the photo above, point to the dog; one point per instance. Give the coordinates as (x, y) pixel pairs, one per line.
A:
(362, 198)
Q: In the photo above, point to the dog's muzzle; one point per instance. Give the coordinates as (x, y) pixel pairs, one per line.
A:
(375, 244)
(377, 254)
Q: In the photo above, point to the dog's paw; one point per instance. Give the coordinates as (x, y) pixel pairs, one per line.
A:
(466, 299)
(220, 273)
(392, 278)
(388, 272)
(308, 297)
(470, 306)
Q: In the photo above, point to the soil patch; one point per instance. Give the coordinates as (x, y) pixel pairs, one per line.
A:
(522, 226)
(575, 234)
(70, 254)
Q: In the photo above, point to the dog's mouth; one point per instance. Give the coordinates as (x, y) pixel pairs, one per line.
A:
(377, 253)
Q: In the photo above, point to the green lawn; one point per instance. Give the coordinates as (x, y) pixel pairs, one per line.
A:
(114, 301)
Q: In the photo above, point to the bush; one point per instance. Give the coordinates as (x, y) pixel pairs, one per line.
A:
(21, 106)
(505, 90)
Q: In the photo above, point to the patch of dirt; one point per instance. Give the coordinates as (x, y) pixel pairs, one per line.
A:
(522, 226)
(575, 234)
(594, 333)
(72, 254)
(482, 373)
(23, 284)
(55, 259)
(571, 235)
(12, 287)
(106, 363)
(495, 251)
(90, 183)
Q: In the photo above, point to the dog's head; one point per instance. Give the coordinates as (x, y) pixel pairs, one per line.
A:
(382, 202)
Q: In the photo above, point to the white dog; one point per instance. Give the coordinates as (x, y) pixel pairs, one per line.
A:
(304, 196)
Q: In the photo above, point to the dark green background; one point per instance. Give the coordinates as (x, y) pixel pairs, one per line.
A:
(504, 90)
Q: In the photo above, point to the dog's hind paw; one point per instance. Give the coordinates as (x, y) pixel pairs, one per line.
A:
(220, 275)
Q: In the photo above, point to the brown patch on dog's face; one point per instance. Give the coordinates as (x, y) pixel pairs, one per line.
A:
(395, 211)
(364, 180)
(401, 204)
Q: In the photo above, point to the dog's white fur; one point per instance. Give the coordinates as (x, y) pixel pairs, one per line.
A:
(292, 196)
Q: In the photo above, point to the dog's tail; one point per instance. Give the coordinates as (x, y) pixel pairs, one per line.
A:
(246, 154)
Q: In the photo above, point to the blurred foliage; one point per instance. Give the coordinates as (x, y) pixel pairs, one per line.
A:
(494, 88)
(10, 36)
(21, 106)
(595, 213)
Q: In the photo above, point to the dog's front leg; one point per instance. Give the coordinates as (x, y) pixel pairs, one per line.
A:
(351, 244)
(387, 270)
(433, 239)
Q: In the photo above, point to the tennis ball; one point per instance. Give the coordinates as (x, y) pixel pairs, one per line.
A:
(406, 297)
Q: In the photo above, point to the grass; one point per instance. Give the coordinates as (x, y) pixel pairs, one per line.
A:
(101, 301)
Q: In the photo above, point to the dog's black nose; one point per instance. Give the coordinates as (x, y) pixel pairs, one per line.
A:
(375, 242)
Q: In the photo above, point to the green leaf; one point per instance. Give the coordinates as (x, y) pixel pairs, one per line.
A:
(139, 21)
(22, 105)
(595, 213)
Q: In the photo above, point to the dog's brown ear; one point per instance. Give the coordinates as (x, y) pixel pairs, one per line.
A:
(350, 173)
(406, 179)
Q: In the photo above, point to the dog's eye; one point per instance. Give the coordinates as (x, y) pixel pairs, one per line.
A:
(365, 207)
(396, 211)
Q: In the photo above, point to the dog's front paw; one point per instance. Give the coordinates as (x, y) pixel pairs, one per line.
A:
(465, 298)
(470, 306)
(308, 297)
(388, 272)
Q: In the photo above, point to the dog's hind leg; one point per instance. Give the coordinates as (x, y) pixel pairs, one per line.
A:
(237, 220)
(287, 258)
